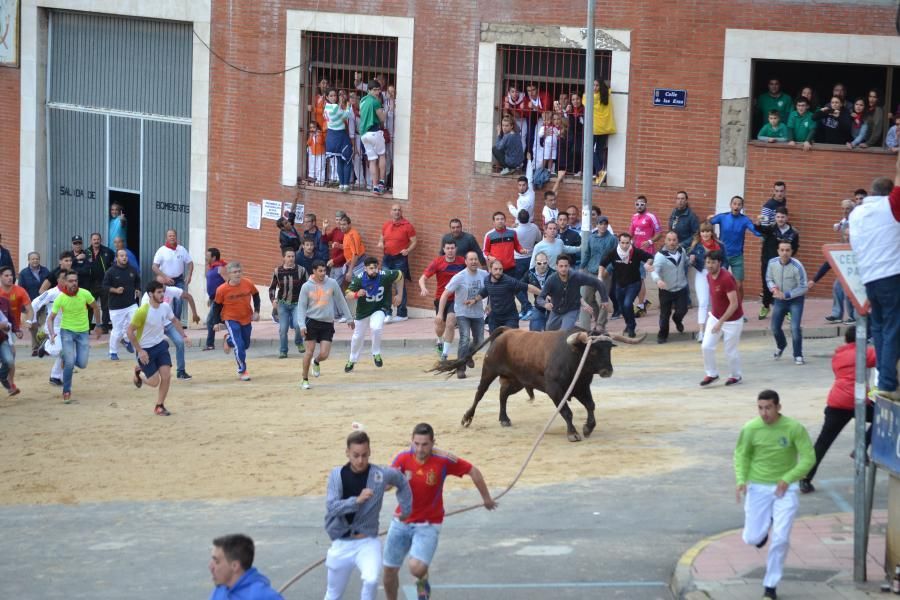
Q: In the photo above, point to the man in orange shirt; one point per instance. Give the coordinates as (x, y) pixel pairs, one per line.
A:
(354, 250)
(233, 312)
(398, 238)
(19, 302)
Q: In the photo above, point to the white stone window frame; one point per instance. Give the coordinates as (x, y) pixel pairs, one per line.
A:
(620, 66)
(401, 28)
(743, 46)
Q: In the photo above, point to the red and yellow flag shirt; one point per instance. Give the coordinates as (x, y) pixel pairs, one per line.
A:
(427, 482)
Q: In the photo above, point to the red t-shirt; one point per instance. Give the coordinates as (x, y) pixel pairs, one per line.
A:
(444, 272)
(237, 301)
(427, 482)
(18, 299)
(397, 236)
(718, 294)
(337, 254)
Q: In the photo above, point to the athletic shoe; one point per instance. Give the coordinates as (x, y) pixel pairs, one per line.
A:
(763, 312)
(850, 322)
(798, 360)
(282, 355)
(208, 348)
(129, 347)
(423, 589)
(305, 384)
(708, 380)
(399, 319)
(788, 320)
(745, 320)
(661, 340)
(770, 594)
(679, 327)
(136, 380)
(301, 348)
(41, 352)
(630, 333)
(378, 190)
(55, 381)
(34, 353)
(184, 375)
(244, 376)
(506, 171)
(389, 319)
(615, 316)
(777, 354)
(733, 380)
(378, 362)
(14, 391)
(316, 369)
(342, 320)
(700, 337)
(161, 411)
(763, 543)
(67, 397)
(806, 486)
(529, 314)
(113, 356)
(349, 366)
(833, 319)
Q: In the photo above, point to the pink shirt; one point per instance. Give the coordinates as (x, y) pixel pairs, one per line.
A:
(644, 226)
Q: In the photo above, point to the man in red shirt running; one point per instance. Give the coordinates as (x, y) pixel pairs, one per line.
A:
(443, 268)
(726, 321)
(425, 468)
(19, 304)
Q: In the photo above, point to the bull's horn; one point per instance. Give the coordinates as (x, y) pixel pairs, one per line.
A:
(627, 340)
(603, 337)
(578, 336)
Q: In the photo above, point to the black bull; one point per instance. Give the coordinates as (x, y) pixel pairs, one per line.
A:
(545, 361)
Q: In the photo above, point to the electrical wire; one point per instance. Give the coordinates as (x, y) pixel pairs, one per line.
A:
(242, 69)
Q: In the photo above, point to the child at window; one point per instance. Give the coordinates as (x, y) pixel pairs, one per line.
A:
(859, 126)
(891, 141)
(538, 152)
(315, 154)
(774, 130)
(801, 127)
(833, 123)
(549, 133)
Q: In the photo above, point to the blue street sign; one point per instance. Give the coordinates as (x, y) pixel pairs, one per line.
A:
(886, 435)
(665, 97)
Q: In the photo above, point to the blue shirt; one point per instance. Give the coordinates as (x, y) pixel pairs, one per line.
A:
(116, 229)
(731, 231)
(252, 585)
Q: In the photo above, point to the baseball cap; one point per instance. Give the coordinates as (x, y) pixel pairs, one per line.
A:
(602, 219)
(77, 238)
(374, 84)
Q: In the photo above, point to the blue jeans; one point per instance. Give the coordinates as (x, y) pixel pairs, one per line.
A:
(178, 342)
(839, 301)
(178, 303)
(780, 308)
(75, 351)
(625, 296)
(519, 272)
(7, 357)
(471, 334)
(399, 263)
(285, 322)
(885, 316)
(538, 320)
(337, 143)
(210, 332)
(419, 540)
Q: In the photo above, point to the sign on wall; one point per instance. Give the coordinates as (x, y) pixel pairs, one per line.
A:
(9, 33)
(886, 435)
(667, 97)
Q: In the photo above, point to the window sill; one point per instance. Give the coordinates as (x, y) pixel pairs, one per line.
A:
(333, 190)
(821, 148)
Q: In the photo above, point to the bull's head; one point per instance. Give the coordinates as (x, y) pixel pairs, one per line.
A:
(598, 360)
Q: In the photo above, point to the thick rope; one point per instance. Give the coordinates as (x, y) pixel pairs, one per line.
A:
(509, 487)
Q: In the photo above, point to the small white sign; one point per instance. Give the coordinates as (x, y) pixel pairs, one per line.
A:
(271, 209)
(843, 261)
(254, 215)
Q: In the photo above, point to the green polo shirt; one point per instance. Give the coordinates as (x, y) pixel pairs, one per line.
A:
(74, 310)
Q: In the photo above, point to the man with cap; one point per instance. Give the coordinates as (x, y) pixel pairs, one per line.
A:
(80, 263)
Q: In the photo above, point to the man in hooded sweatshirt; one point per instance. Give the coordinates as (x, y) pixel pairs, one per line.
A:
(233, 572)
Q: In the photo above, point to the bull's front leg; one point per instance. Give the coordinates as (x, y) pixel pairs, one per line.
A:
(571, 433)
(588, 402)
(486, 379)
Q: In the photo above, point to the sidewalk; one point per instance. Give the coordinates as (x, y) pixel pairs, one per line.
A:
(819, 564)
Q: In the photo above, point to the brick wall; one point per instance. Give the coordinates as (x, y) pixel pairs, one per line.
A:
(9, 161)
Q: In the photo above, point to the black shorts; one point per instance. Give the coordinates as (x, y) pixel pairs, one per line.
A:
(159, 357)
(448, 308)
(319, 331)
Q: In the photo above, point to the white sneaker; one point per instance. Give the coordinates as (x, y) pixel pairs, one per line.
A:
(798, 360)
(699, 337)
(389, 319)
(342, 320)
(304, 385)
(399, 319)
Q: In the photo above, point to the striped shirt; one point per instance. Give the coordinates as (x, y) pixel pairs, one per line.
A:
(286, 283)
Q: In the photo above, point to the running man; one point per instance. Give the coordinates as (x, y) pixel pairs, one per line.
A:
(443, 268)
(19, 303)
(375, 292)
(236, 306)
(352, 505)
(425, 468)
(122, 285)
(500, 291)
(147, 334)
(7, 356)
(773, 452)
(463, 287)
(284, 290)
(46, 299)
(725, 321)
(315, 314)
(173, 293)
(73, 302)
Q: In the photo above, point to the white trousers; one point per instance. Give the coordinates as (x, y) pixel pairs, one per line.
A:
(120, 318)
(375, 322)
(763, 509)
(731, 332)
(56, 371)
(315, 166)
(343, 555)
(701, 287)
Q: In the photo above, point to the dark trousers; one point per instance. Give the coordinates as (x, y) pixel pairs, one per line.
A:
(502, 321)
(766, 293)
(599, 153)
(210, 324)
(625, 295)
(518, 272)
(835, 421)
(398, 262)
(667, 302)
(103, 299)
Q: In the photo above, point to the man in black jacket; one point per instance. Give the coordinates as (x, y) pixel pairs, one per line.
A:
(627, 275)
(773, 233)
(562, 294)
(100, 258)
(465, 242)
(122, 287)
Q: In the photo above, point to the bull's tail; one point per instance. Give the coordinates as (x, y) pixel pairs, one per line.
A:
(450, 366)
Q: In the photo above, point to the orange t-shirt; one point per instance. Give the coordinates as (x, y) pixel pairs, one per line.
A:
(316, 143)
(18, 300)
(237, 300)
(353, 244)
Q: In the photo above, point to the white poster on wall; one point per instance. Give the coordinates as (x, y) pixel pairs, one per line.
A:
(271, 209)
(9, 33)
(254, 215)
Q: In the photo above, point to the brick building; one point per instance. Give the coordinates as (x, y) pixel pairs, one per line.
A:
(450, 62)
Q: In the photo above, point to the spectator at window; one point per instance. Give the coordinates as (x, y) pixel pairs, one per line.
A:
(337, 142)
(537, 150)
(563, 105)
(874, 119)
(507, 150)
(359, 82)
(317, 108)
(859, 128)
(514, 105)
(576, 136)
(801, 127)
(359, 173)
(891, 142)
(774, 130)
(840, 91)
(604, 126)
(810, 95)
(390, 105)
(773, 99)
(833, 123)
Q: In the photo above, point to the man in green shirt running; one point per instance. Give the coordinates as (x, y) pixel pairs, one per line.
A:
(371, 131)
(73, 303)
(772, 454)
(374, 297)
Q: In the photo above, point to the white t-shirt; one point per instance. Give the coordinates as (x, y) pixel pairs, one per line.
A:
(466, 287)
(172, 262)
(549, 214)
(875, 239)
(172, 293)
(154, 329)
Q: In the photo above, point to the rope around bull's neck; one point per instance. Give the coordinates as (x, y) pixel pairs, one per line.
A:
(512, 483)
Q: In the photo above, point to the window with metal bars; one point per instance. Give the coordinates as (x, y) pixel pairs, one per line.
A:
(540, 92)
(345, 62)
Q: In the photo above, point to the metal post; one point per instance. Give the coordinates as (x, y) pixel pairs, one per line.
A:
(587, 179)
(860, 527)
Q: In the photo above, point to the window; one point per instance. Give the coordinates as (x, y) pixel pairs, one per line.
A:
(820, 79)
(346, 63)
(537, 84)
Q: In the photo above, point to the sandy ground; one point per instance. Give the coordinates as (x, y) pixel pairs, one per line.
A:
(228, 439)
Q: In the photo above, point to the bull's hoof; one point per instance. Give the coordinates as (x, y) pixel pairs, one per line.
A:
(573, 436)
(466, 420)
(505, 423)
(588, 429)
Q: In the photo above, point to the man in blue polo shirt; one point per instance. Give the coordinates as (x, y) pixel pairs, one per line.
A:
(731, 232)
